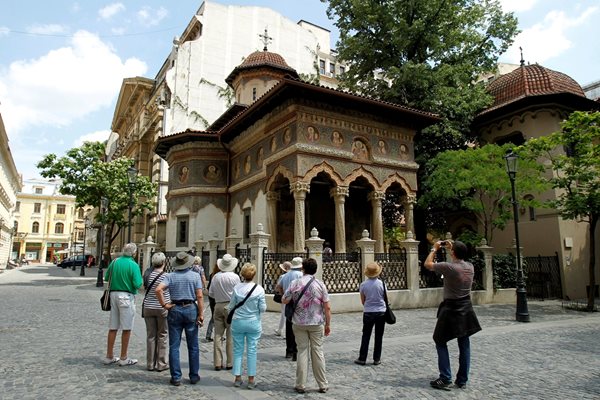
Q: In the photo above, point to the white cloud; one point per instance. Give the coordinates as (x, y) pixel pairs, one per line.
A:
(117, 31)
(151, 17)
(111, 10)
(48, 29)
(66, 84)
(517, 5)
(98, 136)
(4, 31)
(547, 39)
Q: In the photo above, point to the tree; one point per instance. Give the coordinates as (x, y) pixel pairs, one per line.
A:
(425, 54)
(86, 176)
(475, 180)
(572, 157)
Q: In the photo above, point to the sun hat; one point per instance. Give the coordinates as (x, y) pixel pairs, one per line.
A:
(227, 263)
(372, 270)
(182, 261)
(296, 262)
(285, 267)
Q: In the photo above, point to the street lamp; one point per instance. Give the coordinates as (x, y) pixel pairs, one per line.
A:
(86, 222)
(131, 179)
(103, 207)
(511, 168)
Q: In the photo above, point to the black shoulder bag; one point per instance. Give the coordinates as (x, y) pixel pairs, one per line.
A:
(290, 308)
(238, 305)
(148, 290)
(390, 318)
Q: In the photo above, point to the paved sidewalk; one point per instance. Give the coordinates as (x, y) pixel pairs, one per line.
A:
(53, 335)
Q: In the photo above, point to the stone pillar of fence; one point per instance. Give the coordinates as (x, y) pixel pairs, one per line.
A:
(201, 245)
(412, 261)
(213, 245)
(315, 250)
(232, 240)
(147, 248)
(367, 249)
(258, 241)
(488, 273)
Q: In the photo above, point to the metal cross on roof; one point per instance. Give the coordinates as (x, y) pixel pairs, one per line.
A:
(522, 59)
(266, 39)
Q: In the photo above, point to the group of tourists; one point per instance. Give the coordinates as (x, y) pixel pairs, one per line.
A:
(174, 303)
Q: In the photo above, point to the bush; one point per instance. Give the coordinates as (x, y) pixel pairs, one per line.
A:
(505, 271)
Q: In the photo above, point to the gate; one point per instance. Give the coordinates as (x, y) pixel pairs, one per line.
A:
(542, 274)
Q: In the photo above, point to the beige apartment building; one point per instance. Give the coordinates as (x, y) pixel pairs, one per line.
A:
(48, 225)
(10, 184)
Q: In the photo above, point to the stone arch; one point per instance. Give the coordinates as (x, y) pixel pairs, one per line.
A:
(362, 172)
(396, 178)
(323, 167)
(286, 173)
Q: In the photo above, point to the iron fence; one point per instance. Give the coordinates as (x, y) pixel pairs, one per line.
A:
(427, 278)
(393, 269)
(342, 272)
(542, 276)
(270, 268)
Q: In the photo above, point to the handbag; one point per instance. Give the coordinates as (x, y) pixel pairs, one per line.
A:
(105, 299)
(290, 308)
(238, 305)
(277, 297)
(148, 290)
(390, 318)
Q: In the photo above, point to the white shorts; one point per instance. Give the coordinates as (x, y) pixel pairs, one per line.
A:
(122, 311)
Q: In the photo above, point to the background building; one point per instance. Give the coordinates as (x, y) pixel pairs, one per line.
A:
(10, 184)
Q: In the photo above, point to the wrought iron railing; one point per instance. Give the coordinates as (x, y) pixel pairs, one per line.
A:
(393, 269)
(342, 272)
(427, 278)
(270, 268)
(542, 276)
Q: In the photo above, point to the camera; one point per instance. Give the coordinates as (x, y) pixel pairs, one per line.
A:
(443, 243)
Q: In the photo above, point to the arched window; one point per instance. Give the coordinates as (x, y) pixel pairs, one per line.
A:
(35, 227)
(80, 213)
(59, 227)
(16, 226)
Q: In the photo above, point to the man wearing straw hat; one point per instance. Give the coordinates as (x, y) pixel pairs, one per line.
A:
(185, 313)
(221, 289)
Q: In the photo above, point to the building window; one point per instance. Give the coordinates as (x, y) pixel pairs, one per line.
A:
(16, 226)
(322, 66)
(530, 208)
(253, 94)
(80, 213)
(39, 190)
(37, 207)
(18, 206)
(342, 69)
(332, 69)
(80, 235)
(182, 231)
(60, 209)
(246, 237)
(35, 227)
(59, 227)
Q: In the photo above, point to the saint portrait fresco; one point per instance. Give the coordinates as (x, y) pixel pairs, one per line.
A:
(247, 165)
(273, 144)
(236, 170)
(404, 152)
(312, 135)
(337, 139)
(212, 173)
(359, 149)
(381, 145)
(260, 157)
(287, 136)
(183, 174)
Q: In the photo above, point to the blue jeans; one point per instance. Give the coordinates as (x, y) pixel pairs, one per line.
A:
(248, 331)
(370, 320)
(183, 318)
(464, 361)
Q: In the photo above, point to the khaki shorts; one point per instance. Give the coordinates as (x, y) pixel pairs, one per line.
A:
(122, 311)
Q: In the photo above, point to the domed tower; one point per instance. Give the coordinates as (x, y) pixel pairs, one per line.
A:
(259, 72)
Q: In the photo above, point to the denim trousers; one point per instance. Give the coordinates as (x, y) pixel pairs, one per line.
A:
(464, 361)
(245, 332)
(370, 320)
(183, 318)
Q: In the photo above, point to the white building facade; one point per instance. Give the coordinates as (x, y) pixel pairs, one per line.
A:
(10, 184)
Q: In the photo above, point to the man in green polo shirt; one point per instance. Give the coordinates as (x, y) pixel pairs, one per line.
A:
(125, 278)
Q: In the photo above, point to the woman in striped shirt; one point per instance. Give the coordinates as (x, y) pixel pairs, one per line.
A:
(156, 316)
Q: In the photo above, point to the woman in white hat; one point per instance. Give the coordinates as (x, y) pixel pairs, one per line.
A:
(285, 267)
(372, 298)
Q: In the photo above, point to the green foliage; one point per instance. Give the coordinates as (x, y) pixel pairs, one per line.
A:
(86, 176)
(478, 262)
(572, 159)
(425, 54)
(393, 236)
(475, 180)
(505, 271)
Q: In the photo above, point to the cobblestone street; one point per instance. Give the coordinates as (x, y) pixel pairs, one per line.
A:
(53, 336)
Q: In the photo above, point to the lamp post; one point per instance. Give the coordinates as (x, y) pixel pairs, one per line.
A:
(522, 314)
(74, 247)
(103, 207)
(131, 179)
(86, 222)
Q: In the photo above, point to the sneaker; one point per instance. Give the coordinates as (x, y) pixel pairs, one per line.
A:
(238, 383)
(277, 332)
(439, 383)
(360, 362)
(109, 361)
(459, 385)
(251, 385)
(174, 382)
(127, 361)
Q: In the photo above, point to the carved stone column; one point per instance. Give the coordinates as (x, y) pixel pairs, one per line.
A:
(409, 216)
(377, 223)
(299, 190)
(272, 199)
(339, 194)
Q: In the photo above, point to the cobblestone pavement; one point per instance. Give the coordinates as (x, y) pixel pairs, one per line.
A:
(53, 335)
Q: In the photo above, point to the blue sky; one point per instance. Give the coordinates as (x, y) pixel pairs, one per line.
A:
(62, 61)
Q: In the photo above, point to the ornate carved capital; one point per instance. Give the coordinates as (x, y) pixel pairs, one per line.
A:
(376, 196)
(411, 199)
(299, 189)
(339, 191)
